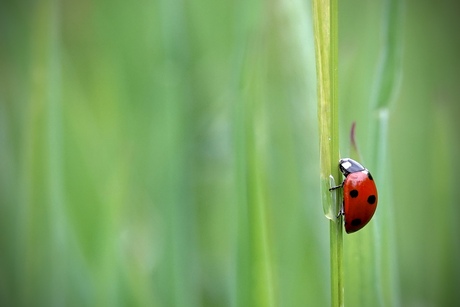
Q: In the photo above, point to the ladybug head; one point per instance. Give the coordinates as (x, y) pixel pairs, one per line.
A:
(348, 166)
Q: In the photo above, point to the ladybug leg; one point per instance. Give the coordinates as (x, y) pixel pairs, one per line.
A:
(337, 186)
(341, 212)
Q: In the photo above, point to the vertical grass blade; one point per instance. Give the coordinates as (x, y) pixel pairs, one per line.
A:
(325, 15)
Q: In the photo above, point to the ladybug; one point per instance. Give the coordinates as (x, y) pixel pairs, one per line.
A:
(359, 194)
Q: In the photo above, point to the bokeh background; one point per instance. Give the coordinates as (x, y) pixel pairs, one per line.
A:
(165, 153)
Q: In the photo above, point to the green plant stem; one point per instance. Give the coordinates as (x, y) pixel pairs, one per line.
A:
(325, 15)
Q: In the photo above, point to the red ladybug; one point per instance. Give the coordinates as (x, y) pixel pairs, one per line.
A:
(359, 194)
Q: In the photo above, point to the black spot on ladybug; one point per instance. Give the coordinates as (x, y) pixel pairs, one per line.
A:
(371, 199)
(369, 176)
(354, 193)
(356, 222)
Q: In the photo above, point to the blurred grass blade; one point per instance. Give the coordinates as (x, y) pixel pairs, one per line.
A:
(389, 69)
(370, 258)
(385, 91)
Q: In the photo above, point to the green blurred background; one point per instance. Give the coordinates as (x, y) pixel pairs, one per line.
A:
(165, 153)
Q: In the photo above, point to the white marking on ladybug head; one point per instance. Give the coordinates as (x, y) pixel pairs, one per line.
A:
(346, 164)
